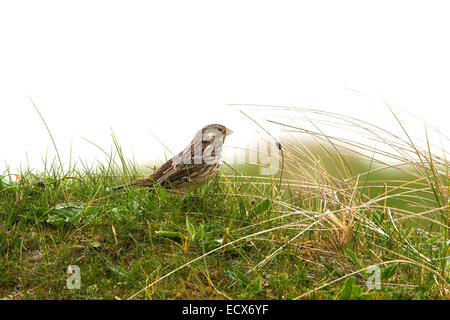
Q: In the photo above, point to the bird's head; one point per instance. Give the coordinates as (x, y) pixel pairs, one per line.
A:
(214, 131)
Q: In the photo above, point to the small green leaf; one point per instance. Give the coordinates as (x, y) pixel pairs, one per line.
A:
(243, 278)
(262, 206)
(389, 271)
(190, 228)
(346, 290)
(434, 238)
(92, 289)
(64, 213)
(94, 244)
(356, 291)
(354, 257)
(176, 236)
(119, 271)
(199, 234)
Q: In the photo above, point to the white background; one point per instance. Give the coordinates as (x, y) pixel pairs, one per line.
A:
(170, 67)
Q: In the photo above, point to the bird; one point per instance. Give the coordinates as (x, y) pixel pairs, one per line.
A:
(198, 163)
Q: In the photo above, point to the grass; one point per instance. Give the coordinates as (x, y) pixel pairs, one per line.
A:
(341, 216)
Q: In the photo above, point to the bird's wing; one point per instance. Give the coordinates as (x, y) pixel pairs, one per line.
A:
(172, 172)
(189, 163)
(178, 167)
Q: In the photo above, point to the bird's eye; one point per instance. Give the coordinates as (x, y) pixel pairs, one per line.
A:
(220, 129)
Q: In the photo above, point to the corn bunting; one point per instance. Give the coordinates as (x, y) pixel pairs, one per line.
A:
(195, 165)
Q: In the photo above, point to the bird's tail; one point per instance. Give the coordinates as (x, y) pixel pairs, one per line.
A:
(145, 182)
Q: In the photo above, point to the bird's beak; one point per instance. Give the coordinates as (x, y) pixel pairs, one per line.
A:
(229, 131)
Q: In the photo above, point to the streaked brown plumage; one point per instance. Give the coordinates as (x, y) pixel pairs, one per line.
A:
(196, 164)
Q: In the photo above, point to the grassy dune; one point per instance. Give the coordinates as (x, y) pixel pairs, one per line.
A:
(339, 221)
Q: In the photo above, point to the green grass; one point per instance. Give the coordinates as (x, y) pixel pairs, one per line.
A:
(238, 237)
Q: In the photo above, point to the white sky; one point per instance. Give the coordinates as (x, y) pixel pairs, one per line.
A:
(170, 67)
